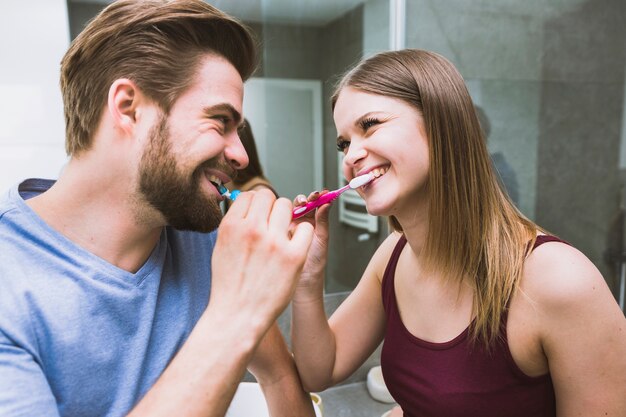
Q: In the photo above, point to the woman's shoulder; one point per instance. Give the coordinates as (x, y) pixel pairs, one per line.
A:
(579, 326)
(557, 274)
(389, 244)
(381, 257)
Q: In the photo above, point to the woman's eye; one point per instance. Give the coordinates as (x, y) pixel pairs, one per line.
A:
(342, 145)
(367, 123)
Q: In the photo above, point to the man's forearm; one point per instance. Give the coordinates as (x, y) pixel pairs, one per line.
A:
(203, 377)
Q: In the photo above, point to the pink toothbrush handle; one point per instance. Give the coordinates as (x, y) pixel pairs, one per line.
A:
(312, 205)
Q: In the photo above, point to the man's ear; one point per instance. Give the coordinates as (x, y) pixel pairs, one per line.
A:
(123, 102)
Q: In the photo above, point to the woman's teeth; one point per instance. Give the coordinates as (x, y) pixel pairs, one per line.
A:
(378, 172)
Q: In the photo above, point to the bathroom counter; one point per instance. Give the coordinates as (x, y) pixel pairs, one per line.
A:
(352, 400)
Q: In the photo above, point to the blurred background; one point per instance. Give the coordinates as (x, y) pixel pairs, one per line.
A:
(548, 75)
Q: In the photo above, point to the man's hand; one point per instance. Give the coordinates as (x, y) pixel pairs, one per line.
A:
(257, 258)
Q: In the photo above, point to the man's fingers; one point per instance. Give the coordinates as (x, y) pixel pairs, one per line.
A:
(260, 207)
(302, 237)
(280, 217)
(239, 208)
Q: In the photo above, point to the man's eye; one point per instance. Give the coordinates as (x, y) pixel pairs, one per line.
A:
(342, 145)
(223, 119)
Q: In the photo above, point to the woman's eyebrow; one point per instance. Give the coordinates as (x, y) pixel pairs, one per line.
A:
(357, 122)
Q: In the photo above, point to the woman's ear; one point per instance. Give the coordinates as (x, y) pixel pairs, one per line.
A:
(123, 102)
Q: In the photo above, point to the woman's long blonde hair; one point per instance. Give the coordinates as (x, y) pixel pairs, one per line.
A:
(474, 229)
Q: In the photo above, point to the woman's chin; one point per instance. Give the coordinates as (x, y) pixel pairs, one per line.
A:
(377, 209)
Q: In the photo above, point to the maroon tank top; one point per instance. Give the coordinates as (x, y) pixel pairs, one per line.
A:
(456, 378)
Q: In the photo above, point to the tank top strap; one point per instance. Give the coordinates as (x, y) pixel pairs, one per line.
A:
(388, 277)
(541, 239)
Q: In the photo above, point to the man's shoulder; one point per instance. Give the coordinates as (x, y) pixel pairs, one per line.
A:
(6, 203)
(11, 200)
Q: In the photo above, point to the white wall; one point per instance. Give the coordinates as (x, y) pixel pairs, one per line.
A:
(34, 35)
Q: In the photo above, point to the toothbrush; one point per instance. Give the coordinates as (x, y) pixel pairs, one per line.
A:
(231, 195)
(332, 195)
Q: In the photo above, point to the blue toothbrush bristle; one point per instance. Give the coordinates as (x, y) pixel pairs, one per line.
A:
(234, 194)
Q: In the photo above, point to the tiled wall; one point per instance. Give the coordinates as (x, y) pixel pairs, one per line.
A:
(580, 125)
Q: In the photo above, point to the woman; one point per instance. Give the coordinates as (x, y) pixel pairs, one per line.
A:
(482, 313)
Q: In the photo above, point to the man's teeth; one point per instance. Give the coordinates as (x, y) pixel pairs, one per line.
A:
(215, 180)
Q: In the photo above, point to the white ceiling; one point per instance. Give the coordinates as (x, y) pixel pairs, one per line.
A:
(301, 12)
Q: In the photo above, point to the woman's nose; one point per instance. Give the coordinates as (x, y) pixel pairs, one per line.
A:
(356, 152)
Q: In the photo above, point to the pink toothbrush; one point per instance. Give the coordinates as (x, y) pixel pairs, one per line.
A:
(332, 195)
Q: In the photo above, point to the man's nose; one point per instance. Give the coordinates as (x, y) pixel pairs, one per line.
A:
(235, 153)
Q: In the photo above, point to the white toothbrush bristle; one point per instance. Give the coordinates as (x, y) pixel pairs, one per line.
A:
(361, 180)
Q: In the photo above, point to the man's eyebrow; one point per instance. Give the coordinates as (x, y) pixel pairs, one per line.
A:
(224, 108)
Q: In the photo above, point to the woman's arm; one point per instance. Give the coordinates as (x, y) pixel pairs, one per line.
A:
(326, 352)
(582, 331)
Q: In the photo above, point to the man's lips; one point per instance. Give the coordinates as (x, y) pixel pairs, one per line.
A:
(212, 187)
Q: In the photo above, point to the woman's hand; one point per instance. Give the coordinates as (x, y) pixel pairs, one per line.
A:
(313, 271)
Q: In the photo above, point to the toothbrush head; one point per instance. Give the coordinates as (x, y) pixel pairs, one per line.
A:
(231, 195)
(361, 180)
(234, 194)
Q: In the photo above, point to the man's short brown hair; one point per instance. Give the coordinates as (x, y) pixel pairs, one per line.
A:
(155, 43)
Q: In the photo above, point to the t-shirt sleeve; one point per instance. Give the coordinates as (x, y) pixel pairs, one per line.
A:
(24, 390)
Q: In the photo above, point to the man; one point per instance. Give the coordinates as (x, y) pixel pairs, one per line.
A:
(105, 275)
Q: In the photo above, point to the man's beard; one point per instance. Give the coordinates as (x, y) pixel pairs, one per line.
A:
(178, 196)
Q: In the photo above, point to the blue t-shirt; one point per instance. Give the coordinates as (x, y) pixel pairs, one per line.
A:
(79, 336)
